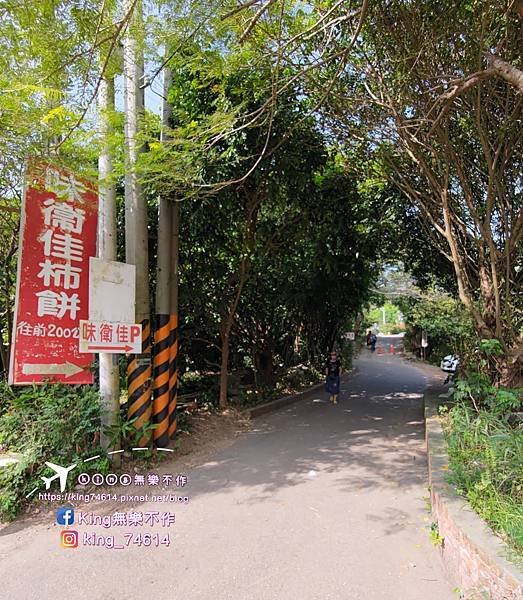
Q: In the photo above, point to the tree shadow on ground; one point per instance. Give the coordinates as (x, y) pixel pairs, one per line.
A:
(372, 440)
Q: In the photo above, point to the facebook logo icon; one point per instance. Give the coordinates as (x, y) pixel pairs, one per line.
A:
(65, 516)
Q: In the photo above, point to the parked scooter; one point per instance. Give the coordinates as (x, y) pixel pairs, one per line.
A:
(450, 365)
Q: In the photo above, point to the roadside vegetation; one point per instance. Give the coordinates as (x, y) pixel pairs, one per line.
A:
(60, 424)
(312, 151)
(444, 321)
(484, 421)
(484, 429)
(54, 423)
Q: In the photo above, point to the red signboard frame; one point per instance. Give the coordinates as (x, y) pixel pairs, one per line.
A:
(58, 231)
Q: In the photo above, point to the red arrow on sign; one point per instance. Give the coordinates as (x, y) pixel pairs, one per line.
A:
(125, 349)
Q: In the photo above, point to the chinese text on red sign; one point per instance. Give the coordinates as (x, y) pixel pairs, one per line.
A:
(58, 235)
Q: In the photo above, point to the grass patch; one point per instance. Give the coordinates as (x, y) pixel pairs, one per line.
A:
(486, 459)
(54, 423)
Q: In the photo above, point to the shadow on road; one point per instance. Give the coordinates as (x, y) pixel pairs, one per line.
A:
(373, 437)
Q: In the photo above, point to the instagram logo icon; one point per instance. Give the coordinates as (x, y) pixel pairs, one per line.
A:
(69, 538)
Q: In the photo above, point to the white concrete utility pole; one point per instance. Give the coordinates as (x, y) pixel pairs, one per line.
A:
(139, 369)
(107, 244)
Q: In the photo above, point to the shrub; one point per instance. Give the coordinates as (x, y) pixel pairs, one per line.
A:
(447, 324)
(299, 377)
(478, 390)
(394, 329)
(45, 423)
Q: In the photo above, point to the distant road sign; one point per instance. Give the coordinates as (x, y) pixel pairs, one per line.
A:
(110, 337)
(57, 237)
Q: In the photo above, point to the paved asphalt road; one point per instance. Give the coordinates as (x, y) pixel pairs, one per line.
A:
(318, 502)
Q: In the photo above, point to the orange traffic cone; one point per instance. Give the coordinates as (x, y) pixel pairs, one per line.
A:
(392, 350)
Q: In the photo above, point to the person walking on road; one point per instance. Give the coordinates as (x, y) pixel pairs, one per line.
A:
(372, 342)
(332, 372)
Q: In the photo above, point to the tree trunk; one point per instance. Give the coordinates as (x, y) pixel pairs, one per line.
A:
(225, 333)
(511, 371)
(508, 72)
(6, 350)
(224, 369)
(264, 363)
(230, 311)
(4, 363)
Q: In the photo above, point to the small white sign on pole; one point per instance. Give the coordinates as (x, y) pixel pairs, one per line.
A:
(112, 292)
(350, 335)
(110, 337)
(424, 340)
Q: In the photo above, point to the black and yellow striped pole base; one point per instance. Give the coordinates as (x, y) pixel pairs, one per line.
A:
(173, 375)
(161, 376)
(139, 374)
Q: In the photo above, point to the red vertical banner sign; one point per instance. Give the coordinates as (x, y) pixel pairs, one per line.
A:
(57, 237)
